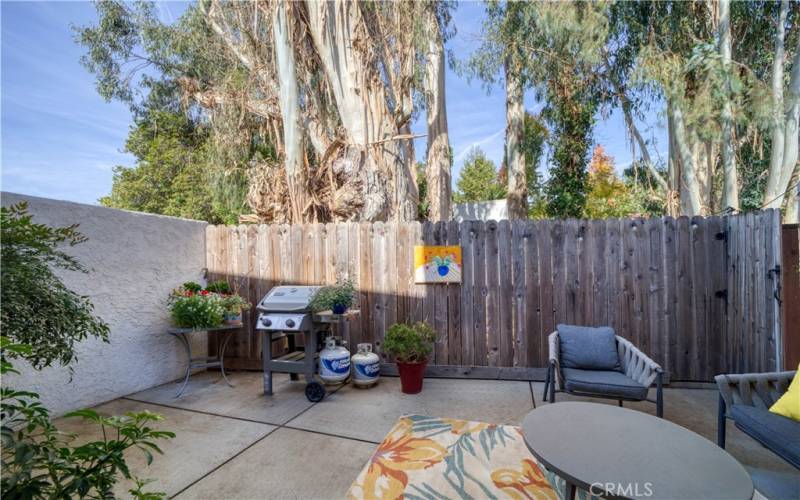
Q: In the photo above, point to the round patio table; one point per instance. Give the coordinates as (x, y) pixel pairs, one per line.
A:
(620, 453)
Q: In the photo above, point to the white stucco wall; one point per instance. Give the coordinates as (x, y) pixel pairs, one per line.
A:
(134, 259)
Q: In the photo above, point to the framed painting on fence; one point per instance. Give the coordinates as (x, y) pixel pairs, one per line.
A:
(437, 264)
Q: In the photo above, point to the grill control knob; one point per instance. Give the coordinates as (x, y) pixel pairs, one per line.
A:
(266, 322)
(290, 323)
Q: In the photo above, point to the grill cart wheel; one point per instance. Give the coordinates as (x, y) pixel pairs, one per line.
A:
(315, 392)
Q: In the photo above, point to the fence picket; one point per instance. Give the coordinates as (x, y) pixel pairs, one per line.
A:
(697, 295)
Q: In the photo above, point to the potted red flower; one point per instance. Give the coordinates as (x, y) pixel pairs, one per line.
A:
(410, 345)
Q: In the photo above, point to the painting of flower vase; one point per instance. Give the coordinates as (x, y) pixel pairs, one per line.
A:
(437, 264)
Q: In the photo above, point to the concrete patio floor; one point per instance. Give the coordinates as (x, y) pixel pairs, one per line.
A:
(235, 443)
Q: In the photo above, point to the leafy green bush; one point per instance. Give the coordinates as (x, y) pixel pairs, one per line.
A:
(409, 343)
(39, 461)
(342, 293)
(219, 286)
(36, 308)
(196, 310)
(191, 286)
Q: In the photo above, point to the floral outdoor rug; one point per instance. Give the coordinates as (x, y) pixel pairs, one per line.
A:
(439, 458)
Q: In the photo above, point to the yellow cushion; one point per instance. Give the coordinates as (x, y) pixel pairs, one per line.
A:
(789, 404)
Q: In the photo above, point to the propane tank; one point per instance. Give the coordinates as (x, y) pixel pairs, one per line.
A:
(334, 362)
(366, 366)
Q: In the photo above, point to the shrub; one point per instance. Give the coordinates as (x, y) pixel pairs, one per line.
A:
(37, 309)
(342, 293)
(39, 461)
(219, 286)
(191, 286)
(409, 343)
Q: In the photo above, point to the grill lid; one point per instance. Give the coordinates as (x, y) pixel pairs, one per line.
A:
(290, 298)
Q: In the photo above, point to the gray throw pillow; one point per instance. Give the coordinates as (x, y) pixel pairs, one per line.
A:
(588, 348)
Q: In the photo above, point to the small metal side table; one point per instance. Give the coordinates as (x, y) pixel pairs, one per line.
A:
(182, 334)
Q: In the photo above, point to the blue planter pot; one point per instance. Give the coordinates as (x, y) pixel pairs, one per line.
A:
(443, 270)
(339, 308)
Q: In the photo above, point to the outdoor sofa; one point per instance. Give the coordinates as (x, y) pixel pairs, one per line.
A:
(746, 399)
(594, 362)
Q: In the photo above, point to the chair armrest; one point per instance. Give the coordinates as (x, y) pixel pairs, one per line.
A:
(552, 342)
(753, 389)
(555, 358)
(636, 364)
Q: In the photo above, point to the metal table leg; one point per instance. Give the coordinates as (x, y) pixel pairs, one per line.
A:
(222, 357)
(187, 345)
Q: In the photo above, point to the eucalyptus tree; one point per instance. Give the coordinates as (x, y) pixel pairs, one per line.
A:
(332, 84)
(554, 49)
(710, 63)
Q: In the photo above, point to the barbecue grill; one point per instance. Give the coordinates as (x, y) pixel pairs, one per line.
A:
(286, 311)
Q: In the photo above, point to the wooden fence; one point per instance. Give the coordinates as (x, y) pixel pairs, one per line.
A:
(697, 294)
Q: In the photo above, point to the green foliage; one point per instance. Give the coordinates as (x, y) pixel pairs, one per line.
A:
(409, 343)
(173, 174)
(196, 309)
(192, 286)
(218, 286)
(37, 308)
(424, 205)
(608, 195)
(39, 461)
(478, 180)
(573, 121)
(187, 166)
(234, 303)
(533, 142)
(341, 294)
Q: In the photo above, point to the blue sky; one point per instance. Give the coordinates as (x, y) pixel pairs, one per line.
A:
(60, 139)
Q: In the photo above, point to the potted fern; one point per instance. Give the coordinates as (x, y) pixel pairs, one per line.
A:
(410, 345)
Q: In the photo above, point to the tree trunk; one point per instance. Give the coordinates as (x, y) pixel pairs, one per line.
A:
(515, 158)
(792, 211)
(690, 188)
(290, 113)
(730, 189)
(361, 103)
(776, 154)
(437, 162)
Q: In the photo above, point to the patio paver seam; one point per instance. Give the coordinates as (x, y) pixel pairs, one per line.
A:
(203, 412)
(330, 434)
(233, 457)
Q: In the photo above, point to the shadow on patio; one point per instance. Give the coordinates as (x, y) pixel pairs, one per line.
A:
(236, 443)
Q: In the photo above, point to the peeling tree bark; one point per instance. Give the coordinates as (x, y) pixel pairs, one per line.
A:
(437, 163)
(690, 188)
(783, 157)
(792, 211)
(290, 114)
(336, 29)
(730, 189)
(515, 129)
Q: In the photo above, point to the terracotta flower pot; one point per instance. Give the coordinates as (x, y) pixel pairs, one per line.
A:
(411, 375)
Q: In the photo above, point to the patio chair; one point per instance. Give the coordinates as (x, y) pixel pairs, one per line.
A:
(629, 379)
(747, 399)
